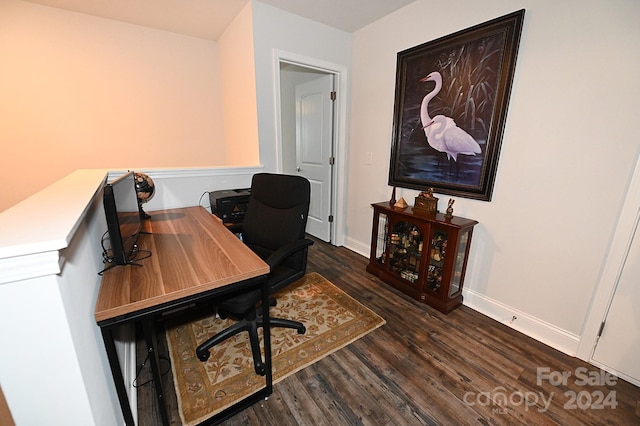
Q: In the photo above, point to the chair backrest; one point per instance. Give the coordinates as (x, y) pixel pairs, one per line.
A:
(276, 213)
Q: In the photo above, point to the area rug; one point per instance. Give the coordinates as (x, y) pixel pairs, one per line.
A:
(333, 320)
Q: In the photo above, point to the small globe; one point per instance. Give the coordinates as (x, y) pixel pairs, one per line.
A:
(145, 187)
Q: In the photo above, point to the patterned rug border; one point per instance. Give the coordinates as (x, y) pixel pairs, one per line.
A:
(304, 354)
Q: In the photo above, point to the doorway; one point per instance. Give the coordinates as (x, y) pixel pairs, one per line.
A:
(618, 343)
(611, 332)
(310, 141)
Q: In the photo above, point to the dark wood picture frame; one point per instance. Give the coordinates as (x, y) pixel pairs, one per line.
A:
(451, 141)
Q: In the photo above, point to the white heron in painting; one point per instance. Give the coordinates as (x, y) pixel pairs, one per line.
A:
(442, 132)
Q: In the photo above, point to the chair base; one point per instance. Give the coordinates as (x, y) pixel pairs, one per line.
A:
(249, 324)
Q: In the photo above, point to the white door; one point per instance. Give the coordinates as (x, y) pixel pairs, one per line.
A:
(314, 150)
(618, 349)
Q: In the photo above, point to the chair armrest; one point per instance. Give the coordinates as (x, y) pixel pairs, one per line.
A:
(278, 256)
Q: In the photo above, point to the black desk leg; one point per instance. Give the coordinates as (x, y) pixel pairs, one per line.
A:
(116, 372)
(266, 329)
(152, 345)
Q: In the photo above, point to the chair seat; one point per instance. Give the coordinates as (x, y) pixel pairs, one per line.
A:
(242, 303)
(239, 305)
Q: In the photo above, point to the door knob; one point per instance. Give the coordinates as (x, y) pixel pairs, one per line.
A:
(297, 169)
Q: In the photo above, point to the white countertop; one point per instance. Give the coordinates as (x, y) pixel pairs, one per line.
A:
(47, 220)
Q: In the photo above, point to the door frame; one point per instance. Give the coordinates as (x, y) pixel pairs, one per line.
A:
(338, 186)
(614, 265)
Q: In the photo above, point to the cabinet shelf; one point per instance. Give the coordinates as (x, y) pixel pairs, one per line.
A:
(421, 254)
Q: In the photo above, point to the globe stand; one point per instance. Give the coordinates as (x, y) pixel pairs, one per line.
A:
(145, 190)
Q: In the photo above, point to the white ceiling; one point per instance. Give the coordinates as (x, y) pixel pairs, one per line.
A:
(209, 18)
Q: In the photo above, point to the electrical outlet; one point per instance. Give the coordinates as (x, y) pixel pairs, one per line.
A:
(369, 159)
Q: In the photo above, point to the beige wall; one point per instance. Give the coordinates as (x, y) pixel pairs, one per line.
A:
(84, 92)
(238, 81)
(278, 33)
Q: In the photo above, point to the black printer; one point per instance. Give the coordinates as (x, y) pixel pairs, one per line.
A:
(230, 205)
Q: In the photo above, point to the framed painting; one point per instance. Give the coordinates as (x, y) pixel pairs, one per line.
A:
(450, 109)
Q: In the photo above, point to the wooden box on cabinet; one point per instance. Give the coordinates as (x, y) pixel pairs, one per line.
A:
(421, 254)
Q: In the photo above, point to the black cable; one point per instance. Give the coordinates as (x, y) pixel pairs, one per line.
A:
(162, 358)
(133, 257)
(105, 251)
(200, 200)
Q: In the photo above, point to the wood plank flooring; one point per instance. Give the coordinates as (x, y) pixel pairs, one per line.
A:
(427, 368)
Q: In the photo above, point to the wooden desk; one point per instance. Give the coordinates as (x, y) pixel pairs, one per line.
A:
(194, 259)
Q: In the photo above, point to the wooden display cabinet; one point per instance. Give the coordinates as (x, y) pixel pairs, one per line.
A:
(421, 254)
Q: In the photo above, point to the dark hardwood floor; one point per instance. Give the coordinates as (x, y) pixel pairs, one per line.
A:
(426, 368)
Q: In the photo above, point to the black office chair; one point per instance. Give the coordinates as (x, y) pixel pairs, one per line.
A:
(274, 228)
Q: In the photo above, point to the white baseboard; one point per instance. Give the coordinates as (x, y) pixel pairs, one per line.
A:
(126, 349)
(357, 246)
(130, 365)
(529, 325)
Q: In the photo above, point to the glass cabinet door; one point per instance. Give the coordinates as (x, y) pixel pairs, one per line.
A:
(461, 255)
(405, 250)
(382, 239)
(437, 256)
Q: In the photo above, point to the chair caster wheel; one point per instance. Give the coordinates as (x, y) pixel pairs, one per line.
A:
(302, 330)
(261, 370)
(203, 356)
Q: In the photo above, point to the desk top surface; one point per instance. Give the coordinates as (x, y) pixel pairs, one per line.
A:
(191, 252)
